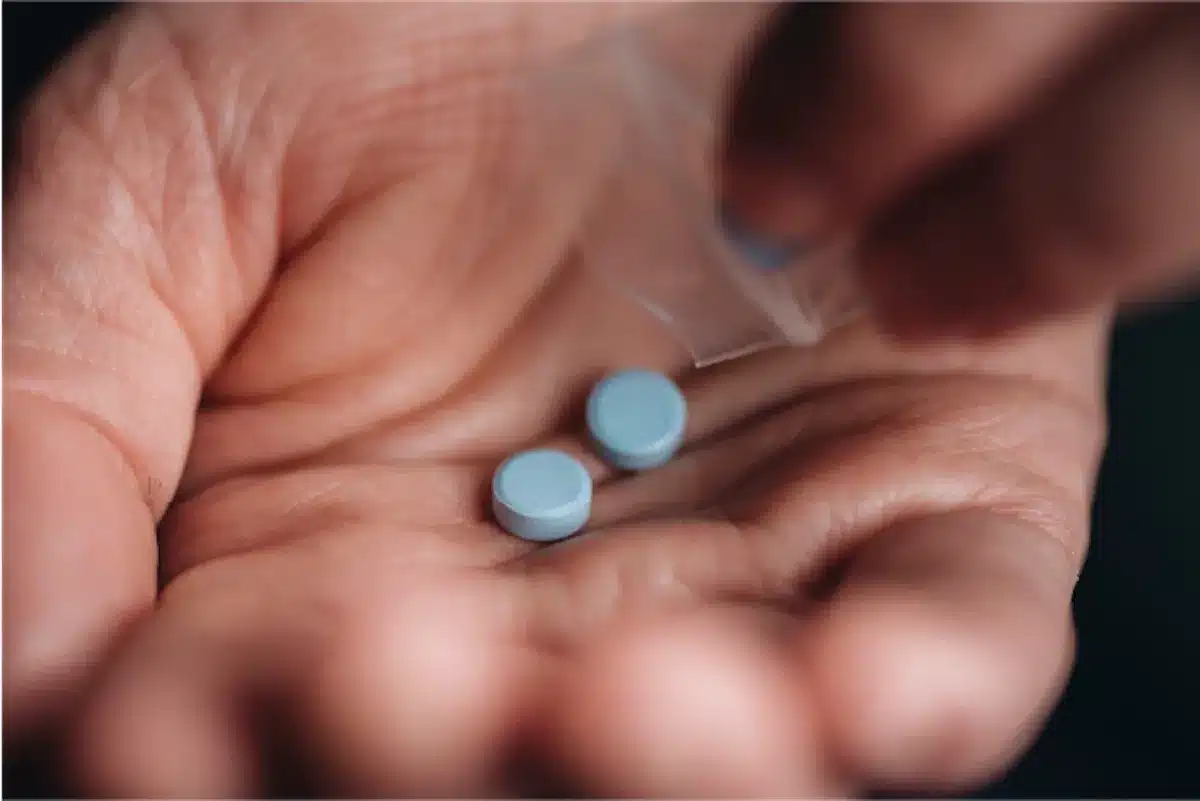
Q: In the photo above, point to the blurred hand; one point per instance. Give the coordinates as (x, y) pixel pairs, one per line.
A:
(1000, 164)
(270, 323)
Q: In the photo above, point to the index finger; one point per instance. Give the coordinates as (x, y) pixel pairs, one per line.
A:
(841, 107)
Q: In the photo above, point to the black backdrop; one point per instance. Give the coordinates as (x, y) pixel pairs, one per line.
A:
(1129, 724)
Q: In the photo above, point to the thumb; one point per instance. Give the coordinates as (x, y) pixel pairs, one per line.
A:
(109, 326)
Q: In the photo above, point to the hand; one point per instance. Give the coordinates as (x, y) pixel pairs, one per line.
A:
(1000, 164)
(263, 296)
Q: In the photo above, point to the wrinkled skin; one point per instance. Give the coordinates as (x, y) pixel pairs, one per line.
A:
(255, 299)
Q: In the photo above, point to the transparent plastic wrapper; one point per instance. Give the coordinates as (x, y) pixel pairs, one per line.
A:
(639, 108)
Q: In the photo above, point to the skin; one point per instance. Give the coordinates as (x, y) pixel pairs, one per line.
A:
(268, 328)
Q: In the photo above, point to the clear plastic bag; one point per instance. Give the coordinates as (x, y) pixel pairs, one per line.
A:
(641, 105)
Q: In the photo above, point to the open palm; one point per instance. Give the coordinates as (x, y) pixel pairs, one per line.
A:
(270, 292)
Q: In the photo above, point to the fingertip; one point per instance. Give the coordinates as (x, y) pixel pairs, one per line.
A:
(770, 208)
(418, 699)
(770, 166)
(687, 707)
(918, 698)
(763, 251)
(160, 728)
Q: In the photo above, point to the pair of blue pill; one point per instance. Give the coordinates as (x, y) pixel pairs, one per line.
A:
(636, 421)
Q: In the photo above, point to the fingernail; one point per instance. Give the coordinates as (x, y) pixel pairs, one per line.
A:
(762, 250)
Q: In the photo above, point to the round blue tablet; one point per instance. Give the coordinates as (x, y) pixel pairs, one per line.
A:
(636, 419)
(541, 495)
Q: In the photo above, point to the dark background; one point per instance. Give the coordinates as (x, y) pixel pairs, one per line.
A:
(1129, 724)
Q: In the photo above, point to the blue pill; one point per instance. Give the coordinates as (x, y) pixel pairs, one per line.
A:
(541, 495)
(636, 419)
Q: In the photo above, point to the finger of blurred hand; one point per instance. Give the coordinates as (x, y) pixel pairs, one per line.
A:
(944, 648)
(697, 704)
(841, 107)
(413, 692)
(932, 667)
(426, 695)
(1092, 200)
(171, 717)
